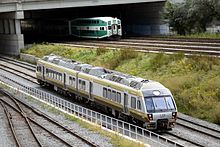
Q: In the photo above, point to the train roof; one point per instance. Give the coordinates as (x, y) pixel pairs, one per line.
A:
(95, 18)
(100, 72)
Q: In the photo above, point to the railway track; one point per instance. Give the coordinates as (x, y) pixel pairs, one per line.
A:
(177, 39)
(204, 134)
(186, 128)
(36, 120)
(18, 70)
(21, 64)
(155, 46)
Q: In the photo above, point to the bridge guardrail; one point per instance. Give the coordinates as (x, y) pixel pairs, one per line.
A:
(104, 121)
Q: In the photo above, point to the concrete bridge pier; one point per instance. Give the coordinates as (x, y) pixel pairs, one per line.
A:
(11, 39)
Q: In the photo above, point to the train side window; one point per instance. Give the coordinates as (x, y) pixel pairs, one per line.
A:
(51, 74)
(118, 97)
(109, 94)
(80, 84)
(39, 68)
(105, 92)
(119, 27)
(133, 102)
(47, 73)
(70, 80)
(60, 76)
(55, 75)
(139, 104)
(73, 81)
(114, 96)
(83, 85)
(109, 27)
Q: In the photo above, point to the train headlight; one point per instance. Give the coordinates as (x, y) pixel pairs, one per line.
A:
(156, 92)
(150, 116)
(174, 114)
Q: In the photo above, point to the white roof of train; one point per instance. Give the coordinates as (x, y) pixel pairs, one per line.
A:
(100, 18)
(125, 79)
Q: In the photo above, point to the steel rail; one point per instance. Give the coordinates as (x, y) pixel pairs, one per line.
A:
(209, 134)
(17, 64)
(149, 47)
(158, 45)
(18, 71)
(184, 139)
(173, 42)
(11, 125)
(35, 82)
(33, 121)
(177, 39)
(21, 62)
(54, 122)
(40, 113)
(23, 114)
(145, 49)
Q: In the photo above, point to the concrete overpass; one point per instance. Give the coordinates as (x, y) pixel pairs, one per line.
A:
(12, 12)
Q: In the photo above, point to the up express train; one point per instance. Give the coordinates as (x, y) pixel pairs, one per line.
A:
(144, 102)
(96, 27)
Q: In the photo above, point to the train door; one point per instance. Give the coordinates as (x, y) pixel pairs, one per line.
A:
(43, 72)
(77, 81)
(90, 90)
(64, 80)
(125, 103)
(114, 29)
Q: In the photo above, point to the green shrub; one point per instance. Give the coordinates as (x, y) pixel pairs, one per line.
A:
(126, 54)
(160, 60)
(100, 51)
(202, 62)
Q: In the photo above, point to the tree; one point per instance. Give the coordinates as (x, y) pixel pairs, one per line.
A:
(191, 15)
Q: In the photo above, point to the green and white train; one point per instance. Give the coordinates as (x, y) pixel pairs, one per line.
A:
(96, 27)
(145, 102)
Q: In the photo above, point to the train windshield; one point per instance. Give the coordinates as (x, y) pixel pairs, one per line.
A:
(159, 104)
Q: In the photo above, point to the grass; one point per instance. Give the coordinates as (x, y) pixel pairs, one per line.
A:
(194, 81)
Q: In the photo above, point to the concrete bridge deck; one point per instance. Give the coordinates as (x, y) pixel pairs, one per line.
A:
(12, 11)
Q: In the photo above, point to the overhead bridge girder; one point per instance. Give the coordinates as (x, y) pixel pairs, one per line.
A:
(14, 5)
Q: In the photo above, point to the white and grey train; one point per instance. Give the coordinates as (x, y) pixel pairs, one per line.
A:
(144, 102)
